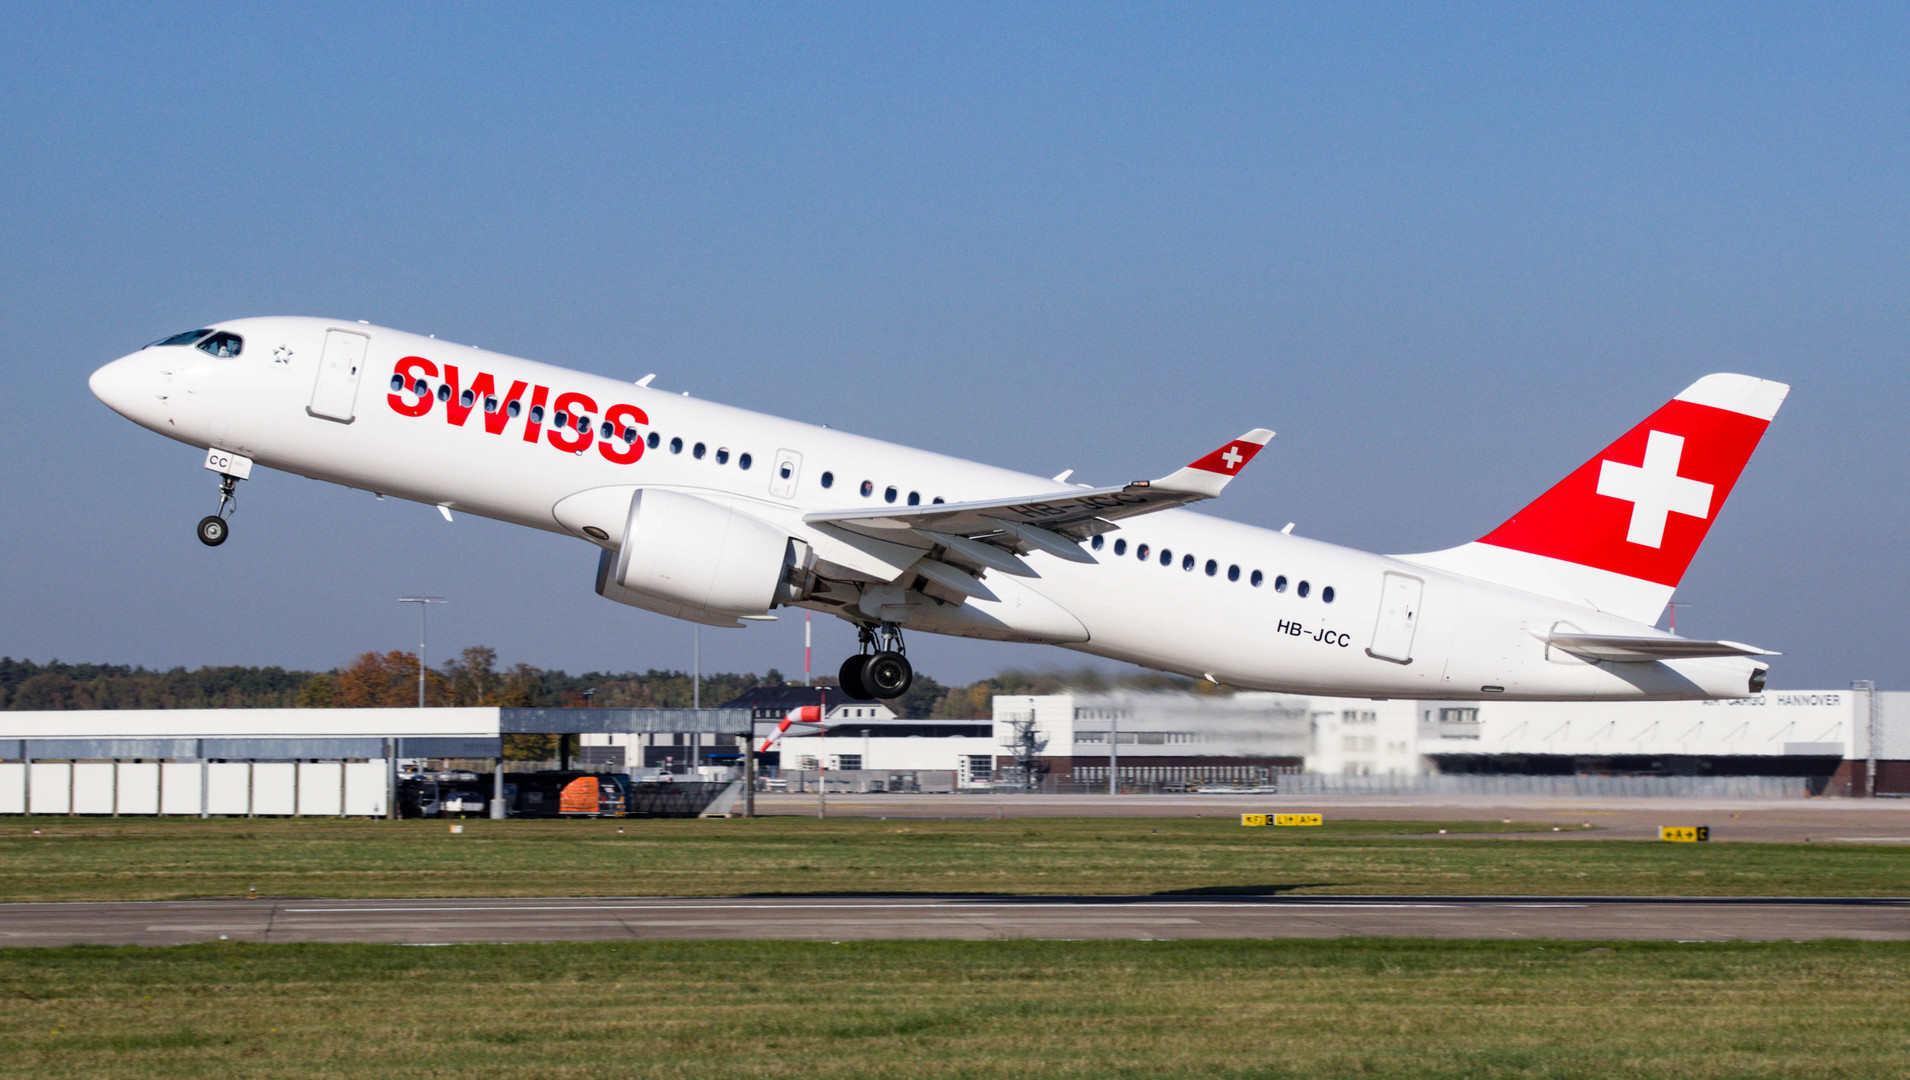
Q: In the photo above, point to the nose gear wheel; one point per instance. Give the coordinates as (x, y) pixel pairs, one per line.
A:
(214, 528)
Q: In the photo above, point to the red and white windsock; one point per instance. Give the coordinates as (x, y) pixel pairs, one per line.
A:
(807, 714)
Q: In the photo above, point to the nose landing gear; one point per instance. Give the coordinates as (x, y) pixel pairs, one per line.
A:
(881, 669)
(214, 528)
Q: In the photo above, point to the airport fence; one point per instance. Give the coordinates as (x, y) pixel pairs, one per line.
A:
(1575, 786)
(1483, 784)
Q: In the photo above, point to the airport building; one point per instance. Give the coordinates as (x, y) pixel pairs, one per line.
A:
(291, 762)
(1842, 742)
(767, 705)
(1852, 742)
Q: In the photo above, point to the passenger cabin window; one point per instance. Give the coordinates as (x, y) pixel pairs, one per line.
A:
(537, 414)
(915, 498)
(867, 487)
(697, 453)
(653, 440)
(1167, 556)
(1097, 542)
(1257, 578)
(743, 462)
(722, 455)
(1302, 589)
(888, 495)
(186, 338)
(1326, 595)
(223, 345)
(676, 445)
(1120, 547)
(1233, 573)
(1140, 552)
(828, 479)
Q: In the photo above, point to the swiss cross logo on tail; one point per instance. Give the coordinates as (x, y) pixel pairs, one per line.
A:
(1642, 507)
(1232, 457)
(1654, 489)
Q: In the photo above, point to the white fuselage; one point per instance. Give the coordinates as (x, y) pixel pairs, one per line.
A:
(1472, 638)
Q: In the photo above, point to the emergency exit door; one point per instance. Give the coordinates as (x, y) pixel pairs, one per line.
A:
(1398, 618)
(338, 367)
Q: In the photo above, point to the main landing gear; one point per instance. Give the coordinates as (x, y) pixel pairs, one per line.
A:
(214, 528)
(881, 669)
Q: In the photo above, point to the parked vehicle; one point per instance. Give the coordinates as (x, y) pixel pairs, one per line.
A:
(569, 794)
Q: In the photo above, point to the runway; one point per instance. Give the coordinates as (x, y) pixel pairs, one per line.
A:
(429, 922)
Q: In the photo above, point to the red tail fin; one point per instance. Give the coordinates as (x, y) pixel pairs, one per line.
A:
(1642, 507)
(1638, 510)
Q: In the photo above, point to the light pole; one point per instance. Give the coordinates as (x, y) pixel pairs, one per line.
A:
(696, 691)
(424, 605)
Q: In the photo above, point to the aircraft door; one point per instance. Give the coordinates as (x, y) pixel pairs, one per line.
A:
(784, 474)
(338, 367)
(1398, 618)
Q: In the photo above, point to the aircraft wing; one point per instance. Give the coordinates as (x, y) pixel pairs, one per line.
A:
(990, 534)
(1647, 649)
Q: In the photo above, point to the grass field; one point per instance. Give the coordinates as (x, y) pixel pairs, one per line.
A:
(1371, 1008)
(146, 859)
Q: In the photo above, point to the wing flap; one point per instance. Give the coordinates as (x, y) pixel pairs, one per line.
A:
(1077, 514)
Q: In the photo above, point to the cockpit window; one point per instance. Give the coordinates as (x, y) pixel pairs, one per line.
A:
(186, 338)
(223, 344)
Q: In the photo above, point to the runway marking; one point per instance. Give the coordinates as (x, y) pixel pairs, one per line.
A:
(1005, 906)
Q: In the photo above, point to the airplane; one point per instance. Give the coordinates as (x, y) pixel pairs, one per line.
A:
(719, 515)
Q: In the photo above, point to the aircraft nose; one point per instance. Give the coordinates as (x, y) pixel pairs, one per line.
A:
(120, 385)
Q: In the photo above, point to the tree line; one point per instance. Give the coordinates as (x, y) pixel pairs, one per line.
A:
(390, 680)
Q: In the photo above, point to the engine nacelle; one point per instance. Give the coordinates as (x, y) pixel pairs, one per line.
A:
(703, 555)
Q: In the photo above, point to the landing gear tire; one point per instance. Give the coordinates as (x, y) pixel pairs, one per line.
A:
(887, 675)
(213, 530)
(850, 678)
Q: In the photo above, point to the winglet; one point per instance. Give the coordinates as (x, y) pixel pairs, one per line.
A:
(1208, 475)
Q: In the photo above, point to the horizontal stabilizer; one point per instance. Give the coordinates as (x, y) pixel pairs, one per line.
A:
(1636, 650)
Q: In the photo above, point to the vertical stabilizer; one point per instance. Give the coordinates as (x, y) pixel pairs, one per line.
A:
(1619, 532)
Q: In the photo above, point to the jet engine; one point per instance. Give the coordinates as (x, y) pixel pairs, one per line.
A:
(702, 557)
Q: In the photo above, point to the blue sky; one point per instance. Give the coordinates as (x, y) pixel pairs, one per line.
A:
(1447, 251)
